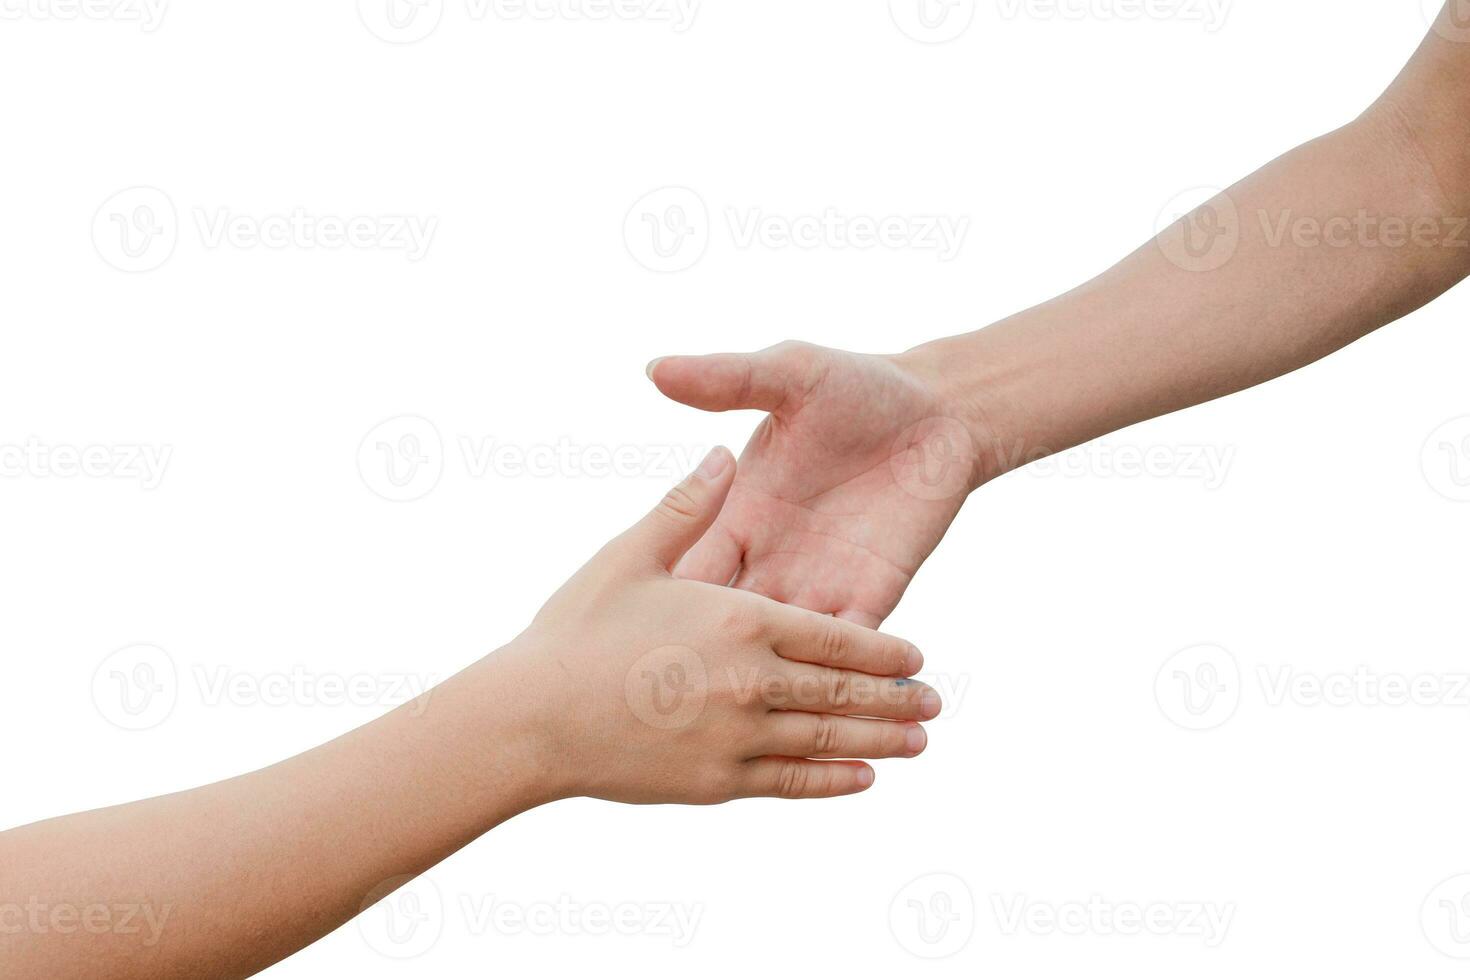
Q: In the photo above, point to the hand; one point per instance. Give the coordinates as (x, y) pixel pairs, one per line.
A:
(669, 691)
(845, 488)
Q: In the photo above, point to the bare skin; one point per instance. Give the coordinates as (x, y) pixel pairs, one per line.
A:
(820, 513)
(629, 685)
(1331, 241)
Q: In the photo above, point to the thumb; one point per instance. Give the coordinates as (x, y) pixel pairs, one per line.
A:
(685, 513)
(720, 382)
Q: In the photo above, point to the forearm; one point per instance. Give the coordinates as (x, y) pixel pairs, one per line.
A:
(1335, 239)
(224, 880)
(629, 685)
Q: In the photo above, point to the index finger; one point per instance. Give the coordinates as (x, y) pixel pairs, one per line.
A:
(812, 638)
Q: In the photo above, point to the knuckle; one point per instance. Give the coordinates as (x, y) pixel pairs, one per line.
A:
(836, 646)
(760, 624)
(735, 622)
(826, 734)
(764, 625)
(791, 780)
(805, 366)
(747, 381)
(679, 504)
(839, 689)
(795, 349)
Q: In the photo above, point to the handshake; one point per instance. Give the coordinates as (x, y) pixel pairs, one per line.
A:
(722, 647)
(725, 645)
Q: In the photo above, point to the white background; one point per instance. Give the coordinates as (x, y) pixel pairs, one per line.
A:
(1057, 775)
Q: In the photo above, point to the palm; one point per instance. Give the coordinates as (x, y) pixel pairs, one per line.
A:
(844, 489)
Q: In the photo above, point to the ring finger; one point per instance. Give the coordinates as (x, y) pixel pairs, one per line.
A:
(807, 735)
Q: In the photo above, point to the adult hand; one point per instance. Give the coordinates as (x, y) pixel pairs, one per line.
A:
(847, 485)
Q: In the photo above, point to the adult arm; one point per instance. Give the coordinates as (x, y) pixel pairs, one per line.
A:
(1318, 248)
(863, 461)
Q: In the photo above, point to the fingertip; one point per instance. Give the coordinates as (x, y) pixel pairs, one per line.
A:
(864, 776)
(681, 378)
(685, 513)
(916, 739)
(930, 705)
(718, 460)
(913, 661)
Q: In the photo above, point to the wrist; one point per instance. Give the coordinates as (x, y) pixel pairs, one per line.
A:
(501, 734)
(960, 374)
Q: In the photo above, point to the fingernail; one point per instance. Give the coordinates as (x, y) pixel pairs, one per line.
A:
(916, 739)
(914, 662)
(714, 464)
(651, 365)
(930, 705)
(865, 777)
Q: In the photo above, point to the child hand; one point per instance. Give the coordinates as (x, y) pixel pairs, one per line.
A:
(674, 691)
